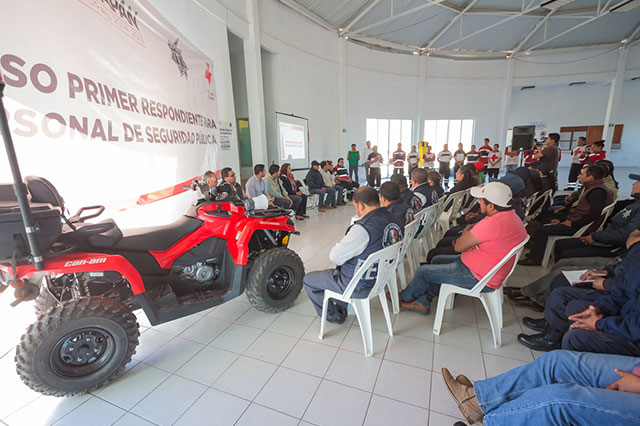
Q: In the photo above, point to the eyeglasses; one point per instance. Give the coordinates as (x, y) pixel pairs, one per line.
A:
(232, 175)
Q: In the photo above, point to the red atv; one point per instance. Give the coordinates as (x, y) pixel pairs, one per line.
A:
(88, 278)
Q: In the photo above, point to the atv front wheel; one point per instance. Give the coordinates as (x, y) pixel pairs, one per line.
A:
(77, 347)
(275, 280)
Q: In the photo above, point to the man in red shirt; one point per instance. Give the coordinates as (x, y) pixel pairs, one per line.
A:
(482, 246)
(398, 158)
(576, 160)
(597, 153)
(484, 151)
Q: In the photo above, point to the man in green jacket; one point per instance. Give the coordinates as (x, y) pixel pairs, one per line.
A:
(353, 157)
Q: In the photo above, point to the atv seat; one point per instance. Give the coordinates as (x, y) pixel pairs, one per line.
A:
(143, 239)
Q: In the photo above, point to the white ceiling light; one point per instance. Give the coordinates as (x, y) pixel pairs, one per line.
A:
(554, 4)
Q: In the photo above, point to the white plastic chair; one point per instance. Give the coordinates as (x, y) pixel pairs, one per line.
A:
(384, 262)
(450, 212)
(492, 301)
(551, 240)
(543, 198)
(410, 231)
(427, 218)
(312, 199)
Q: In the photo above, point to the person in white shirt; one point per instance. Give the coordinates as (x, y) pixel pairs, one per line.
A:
(428, 159)
(511, 159)
(444, 160)
(374, 160)
(365, 157)
(413, 159)
(576, 165)
(495, 162)
(459, 157)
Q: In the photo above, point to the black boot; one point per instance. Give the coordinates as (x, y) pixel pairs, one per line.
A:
(535, 324)
(544, 342)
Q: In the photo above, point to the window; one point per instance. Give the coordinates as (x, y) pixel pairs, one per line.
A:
(451, 132)
(387, 134)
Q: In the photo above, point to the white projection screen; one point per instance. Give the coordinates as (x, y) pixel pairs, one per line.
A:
(293, 140)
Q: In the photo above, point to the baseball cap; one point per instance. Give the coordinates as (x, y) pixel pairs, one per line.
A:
(514, 182)
(314, 163)
(495, 192)
(634, 177)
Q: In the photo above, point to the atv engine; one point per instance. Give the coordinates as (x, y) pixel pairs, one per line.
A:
(201, 272)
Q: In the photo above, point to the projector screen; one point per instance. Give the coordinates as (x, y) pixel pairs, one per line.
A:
(293, 140)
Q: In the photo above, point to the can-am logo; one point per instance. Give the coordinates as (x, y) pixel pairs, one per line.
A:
(119, 14)
(83, 262)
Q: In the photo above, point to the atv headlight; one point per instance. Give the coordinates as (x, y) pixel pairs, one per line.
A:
(256, 203)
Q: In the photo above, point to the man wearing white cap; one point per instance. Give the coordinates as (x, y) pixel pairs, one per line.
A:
(482, 246)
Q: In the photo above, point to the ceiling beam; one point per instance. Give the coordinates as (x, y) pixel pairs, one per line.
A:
(603, 11)
(391, 18)
(309, 14)
(632, 35)
(359, 16)
(481, 30)
(449, 25)
(527, 36)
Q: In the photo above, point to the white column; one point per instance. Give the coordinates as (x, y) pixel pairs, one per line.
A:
(255, 91)
(503, 119)
(614, 99)
(418, 125)
(343, 136)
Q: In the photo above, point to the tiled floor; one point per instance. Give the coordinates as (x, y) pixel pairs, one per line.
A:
(233, 365)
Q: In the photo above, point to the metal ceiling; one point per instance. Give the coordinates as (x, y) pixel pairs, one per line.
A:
(471, 29)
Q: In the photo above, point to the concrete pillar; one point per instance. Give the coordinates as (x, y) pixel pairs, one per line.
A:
(418, 125)
(255, 91)
(614, 99)
(343, 136)
(503, 118)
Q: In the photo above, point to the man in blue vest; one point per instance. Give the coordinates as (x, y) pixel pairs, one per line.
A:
(423, 192)
(375, 229)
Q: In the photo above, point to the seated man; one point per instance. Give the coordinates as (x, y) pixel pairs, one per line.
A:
(405, 192)
(391, 200)
(335, 192)
(424, 193)
(276, 193)
(229, 188)
(558, 388)
(603, 323)
(483, 245)
(210, 178)
(315, 182)
(375, 229)
(341, 175)
(605, 243)
(255, 186)
(588, 209)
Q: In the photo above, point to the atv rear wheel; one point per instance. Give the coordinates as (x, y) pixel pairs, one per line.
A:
(77, 347)
(275, 280)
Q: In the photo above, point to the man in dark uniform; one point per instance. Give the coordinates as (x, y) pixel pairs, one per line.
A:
(393, 202)
(375, 229)
(405, 193)
(422, 191)
(229, 188)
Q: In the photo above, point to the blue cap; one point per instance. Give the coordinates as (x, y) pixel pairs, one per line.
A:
(634, 177)
(514, 182)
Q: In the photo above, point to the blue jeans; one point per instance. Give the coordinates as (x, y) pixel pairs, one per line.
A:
(331, 196)
(321, 196)
(560, 388)
(340, 190)
(425, 284)
(353, 172)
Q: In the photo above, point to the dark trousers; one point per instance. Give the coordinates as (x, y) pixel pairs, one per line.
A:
(398, 170)
(456, 167)
(299, 203)
(565, 301)
(441, 251)
(445, 171)
(411, 169)
(374, 176)
(284, 203)
(493, 173)
(353, 172)
(574, 247)
(541, 236)
(574, 171)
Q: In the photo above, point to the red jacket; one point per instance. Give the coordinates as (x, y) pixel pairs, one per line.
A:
(484, 152)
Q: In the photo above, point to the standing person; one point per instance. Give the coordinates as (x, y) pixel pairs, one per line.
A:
(398, 158)
(366, 151)
(316, 186)
(444, 160)
(291, 187)
(549, 157)
(495, 162)
(576, 165)
(374, 161)
(428, 159)
(458, 157)
(413, 159)
(472, 155)
(375, 229)
(485, 150)
(596, 152)
(276, 192)
(353, 157)
(511, 159)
